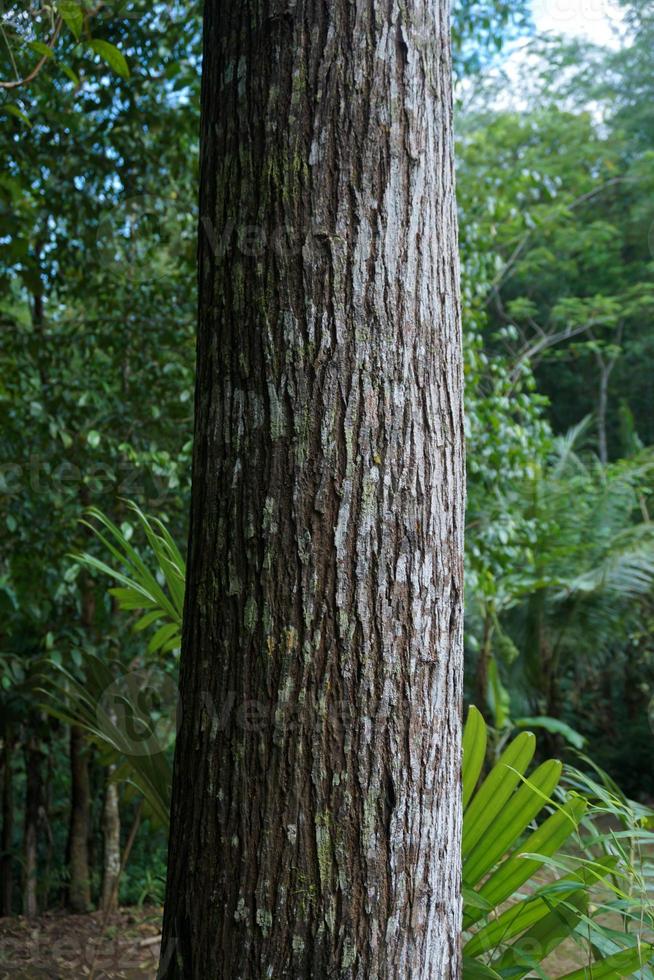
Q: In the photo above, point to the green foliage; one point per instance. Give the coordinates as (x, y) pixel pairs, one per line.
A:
(125, 726)
(130, 716)
(516, 914)
(140, 588)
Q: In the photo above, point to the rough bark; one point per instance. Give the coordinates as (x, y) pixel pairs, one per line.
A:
(316, 811)
(33, 803)
(111, 839)
(6, 842)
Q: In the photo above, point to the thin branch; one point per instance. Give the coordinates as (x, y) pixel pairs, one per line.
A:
(39, 65)
(549, 340)
(518, 250)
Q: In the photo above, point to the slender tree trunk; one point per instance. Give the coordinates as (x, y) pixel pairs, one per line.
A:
(47, 828)
(79, 888)
(33, 803)
(316, 809)
(6, 843)
(602, 404)
(111, 834)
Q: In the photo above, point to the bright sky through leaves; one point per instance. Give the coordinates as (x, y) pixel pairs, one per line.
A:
(594, 20)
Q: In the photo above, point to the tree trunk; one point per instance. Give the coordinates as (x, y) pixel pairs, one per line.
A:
(79, 887)
(33, 803)
(316, 809)
(6, 857)
(111, 834)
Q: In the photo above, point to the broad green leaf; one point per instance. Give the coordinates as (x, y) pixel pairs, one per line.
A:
(496, 789)
(474, 970)
(69, 73)
(544, 842)
(555, 726)
(474, 751)
(622, 964)
(111, 55)
(544, 936)
(13, 110)
(518, 812)
(41, 49)
(72, 16)
(148, 620)
(499, 699)
(163, 634)
(526, 912)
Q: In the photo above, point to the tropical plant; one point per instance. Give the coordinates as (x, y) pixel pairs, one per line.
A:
(158, 595)
(515, 915)
(130, 713)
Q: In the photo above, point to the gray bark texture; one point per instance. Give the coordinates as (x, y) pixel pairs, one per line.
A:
(316, 811)
(111, 842)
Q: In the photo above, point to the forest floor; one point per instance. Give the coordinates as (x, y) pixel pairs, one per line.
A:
(59, 946)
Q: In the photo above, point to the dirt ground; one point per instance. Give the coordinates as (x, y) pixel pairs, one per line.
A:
(60, 946)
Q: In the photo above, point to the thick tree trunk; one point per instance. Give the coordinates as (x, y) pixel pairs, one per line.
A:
(111, 837)
(6, 843)
(79, 887)
(316, 811)
(33, 803)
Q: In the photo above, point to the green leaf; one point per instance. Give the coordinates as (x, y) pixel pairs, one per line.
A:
(498, 697)
(148, 619)
(525, 913)
(474, 751)
(622, 964)
(510, 823)
(41, 49)
(474, 970)
(164, 634)
(496, 789)
(544, 936)
(72, 16)
(543, 843)
(93, 438)
(111, 55)
(13, 110)
(555, 726)
(69, 73)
